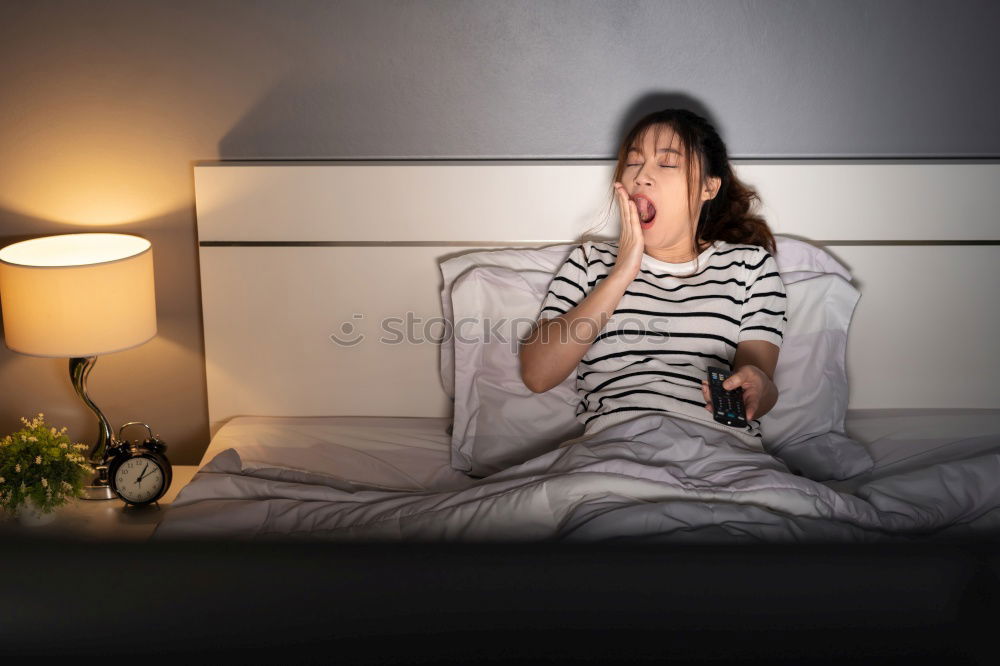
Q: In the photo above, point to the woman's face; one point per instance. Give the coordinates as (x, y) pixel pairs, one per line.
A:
(657, 173)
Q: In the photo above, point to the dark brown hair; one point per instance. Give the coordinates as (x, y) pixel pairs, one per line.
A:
(727, 217)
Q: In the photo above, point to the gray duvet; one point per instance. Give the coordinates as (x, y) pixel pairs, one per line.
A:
(649, 479)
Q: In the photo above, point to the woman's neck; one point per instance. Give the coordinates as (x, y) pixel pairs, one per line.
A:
(679, 256)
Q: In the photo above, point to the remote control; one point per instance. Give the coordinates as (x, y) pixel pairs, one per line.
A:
(727, 406)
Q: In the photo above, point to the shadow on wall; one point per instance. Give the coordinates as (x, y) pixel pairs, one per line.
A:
(304, 117)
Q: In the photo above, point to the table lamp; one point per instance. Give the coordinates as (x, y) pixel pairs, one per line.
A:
(77, 296)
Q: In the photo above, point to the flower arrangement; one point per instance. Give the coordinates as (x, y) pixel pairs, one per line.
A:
(39, 465)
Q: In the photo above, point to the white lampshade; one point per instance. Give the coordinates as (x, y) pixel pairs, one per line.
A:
(77, 295)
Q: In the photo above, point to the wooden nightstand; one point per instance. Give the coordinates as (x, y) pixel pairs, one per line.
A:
(100, 520)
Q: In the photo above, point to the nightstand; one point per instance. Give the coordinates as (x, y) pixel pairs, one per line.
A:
(102, 520)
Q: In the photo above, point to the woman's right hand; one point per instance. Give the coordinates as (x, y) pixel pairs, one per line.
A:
(630, 242)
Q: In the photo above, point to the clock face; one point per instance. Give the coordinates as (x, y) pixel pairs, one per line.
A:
(139, 479)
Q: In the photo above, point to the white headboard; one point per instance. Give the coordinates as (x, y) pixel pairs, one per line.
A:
(292, 251)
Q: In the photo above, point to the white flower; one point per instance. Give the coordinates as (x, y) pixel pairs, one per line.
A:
(45, 482)
(31, 438)
(38, 460)
(2, 479)
(64, 445)
(53, 431)
(17, 467)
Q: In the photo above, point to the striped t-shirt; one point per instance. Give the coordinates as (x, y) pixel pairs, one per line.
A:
(653, 353)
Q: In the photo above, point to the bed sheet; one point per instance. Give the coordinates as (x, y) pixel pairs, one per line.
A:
(650, 479)
(391, 453)
(413, 453)
(901, 440)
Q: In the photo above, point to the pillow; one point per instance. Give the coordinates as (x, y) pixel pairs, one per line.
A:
(805, 429)
(499, 422)
(832, 455)
(546, 259)
(811, 375)
(797, 260)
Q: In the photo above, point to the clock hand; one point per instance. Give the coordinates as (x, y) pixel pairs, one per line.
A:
(144, 470)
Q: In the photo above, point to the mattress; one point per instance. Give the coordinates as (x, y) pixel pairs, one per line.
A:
(412, 453)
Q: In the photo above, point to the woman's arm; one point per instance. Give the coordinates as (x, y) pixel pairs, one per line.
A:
(753, 371)
(761, 353)
(763, 356)
(555, 346)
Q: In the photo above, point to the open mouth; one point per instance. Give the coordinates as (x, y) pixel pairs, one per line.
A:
(647, 211)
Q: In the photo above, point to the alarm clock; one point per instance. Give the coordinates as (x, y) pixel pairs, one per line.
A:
(139, 473)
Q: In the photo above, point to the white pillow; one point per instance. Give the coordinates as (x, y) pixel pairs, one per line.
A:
(805, 429)
(547, 259)
(811, 375)
(832, 455)
(498, 421)
(797, 260)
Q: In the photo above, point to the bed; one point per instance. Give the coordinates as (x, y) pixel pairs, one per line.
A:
(295, 258)
(355, 443)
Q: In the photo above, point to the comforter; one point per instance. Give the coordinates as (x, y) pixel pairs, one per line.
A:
(652, 479)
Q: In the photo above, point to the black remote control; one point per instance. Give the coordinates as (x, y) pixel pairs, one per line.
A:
(727, 406)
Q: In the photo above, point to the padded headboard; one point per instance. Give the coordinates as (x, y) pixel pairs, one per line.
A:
(292, 252)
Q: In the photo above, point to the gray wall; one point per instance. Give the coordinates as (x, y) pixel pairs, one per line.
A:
(106, 105)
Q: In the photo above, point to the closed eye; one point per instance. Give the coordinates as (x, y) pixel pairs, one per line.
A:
(665, 166)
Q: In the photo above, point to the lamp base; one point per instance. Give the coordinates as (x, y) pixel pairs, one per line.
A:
(99, 493)
(97, 488)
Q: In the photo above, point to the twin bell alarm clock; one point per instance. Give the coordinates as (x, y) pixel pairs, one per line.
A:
(139, 473)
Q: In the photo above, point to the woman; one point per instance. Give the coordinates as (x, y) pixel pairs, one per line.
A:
(690, 283)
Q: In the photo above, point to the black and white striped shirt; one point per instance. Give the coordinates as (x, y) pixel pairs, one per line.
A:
(653, 353)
